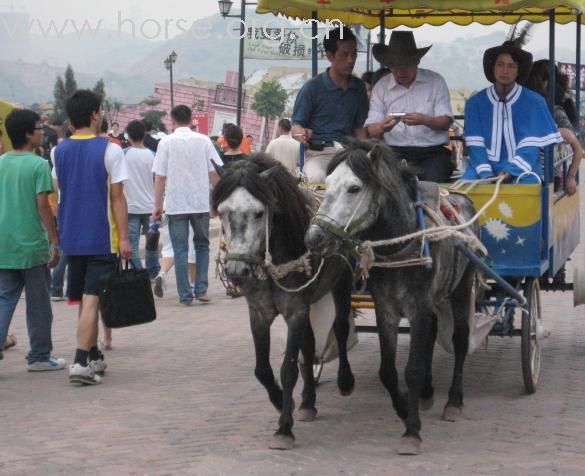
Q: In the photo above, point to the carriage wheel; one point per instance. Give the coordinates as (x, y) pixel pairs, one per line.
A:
(531, 335)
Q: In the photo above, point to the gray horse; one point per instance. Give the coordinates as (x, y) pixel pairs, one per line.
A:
(371, 196)
(256, 198)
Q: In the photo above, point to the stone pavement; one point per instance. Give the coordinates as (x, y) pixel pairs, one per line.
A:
(180, 397)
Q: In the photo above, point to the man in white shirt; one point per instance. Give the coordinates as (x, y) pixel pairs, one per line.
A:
(183, 168)
(411, 109)
(139, 192)
(284, 148)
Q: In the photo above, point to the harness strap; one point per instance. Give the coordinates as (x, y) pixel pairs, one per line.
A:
(245, 257)
(331, 228)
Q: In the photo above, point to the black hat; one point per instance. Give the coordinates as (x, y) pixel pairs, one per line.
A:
(523, 58)
(400, 51)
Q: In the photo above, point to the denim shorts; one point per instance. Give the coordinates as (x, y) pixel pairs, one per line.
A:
(86, 274)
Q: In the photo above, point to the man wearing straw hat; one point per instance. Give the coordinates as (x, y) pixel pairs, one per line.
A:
(506, 124)
(411, 109)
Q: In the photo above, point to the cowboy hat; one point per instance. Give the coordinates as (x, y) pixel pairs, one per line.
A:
(523, 58)
(401, 50)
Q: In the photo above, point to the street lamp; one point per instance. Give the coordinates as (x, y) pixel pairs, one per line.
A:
(224, 9)
(169, 62)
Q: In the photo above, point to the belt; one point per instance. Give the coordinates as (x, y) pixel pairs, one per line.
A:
(320, 144)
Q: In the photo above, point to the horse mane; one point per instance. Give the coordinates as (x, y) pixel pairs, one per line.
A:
(377, 165)
(271, 183)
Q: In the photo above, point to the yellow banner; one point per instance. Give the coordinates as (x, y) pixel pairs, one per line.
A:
(5, 108)
(414, 13)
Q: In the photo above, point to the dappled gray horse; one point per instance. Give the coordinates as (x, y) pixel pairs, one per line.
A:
(371, 196)
(261, 206)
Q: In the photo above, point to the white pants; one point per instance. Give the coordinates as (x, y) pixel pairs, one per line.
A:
(316, 162)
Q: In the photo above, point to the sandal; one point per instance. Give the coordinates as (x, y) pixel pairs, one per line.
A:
(10, 341)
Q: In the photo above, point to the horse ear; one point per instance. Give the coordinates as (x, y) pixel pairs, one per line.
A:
(218, 168)
(267, 174)
(403, 164)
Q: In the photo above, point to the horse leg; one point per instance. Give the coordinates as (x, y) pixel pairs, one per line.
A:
(420, 333)
(289, 372)
(387, 321)
(342, 296)
(308, 411)
(427, 392)
(461, 308)
(263, 371)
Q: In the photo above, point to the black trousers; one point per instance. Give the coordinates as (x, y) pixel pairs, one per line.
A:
(431, 163)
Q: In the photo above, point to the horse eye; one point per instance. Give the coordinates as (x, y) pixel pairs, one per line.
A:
(259, 215)
(354, 189)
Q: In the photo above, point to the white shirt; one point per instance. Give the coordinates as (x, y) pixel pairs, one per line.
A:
(139, 188)
(184, 158)
(114, 162)
(286, 150)
(428, 94)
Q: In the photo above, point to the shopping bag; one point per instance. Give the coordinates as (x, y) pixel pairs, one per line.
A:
(126, 297)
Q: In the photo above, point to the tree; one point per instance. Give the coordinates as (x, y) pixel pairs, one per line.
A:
(269, 103)
(154, 116)
(100, 89)
(62, 90)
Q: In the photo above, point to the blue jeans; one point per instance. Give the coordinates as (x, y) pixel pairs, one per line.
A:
(137, 225)
(58, 277)
(179, 234)
(36, 282)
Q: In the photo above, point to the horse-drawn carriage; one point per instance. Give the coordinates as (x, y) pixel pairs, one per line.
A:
(528, 234)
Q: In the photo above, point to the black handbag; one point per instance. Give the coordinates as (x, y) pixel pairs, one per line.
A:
(126, 297)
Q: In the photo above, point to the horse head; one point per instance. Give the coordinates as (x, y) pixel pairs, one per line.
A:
(250, 199)
(350, 205)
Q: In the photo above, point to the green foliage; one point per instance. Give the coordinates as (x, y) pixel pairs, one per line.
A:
(100, 89)
(61, 91)
(269, 103)
(151, 102)
(270, 99)
(155, 117)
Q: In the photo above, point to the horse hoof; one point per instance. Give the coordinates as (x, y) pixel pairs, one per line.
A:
(426, 404)
(346, 392)
(282, 442)
(409, 445)
(453, 414)
(307, 414)
(346, 389)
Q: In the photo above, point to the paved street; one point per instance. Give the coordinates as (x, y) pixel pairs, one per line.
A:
(180, 397)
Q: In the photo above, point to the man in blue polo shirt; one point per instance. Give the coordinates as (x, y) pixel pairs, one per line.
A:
(331, 106)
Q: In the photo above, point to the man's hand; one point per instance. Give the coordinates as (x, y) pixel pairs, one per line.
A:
(507, 176)
(301, 134)
(55, 257)
(156, 213)
(571, 185)
(415, 119)
(125, 249)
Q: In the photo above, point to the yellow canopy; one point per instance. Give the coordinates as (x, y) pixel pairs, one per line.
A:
(414, 13)
(5, 108)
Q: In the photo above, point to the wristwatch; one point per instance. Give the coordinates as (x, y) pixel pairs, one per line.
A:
(56, 247)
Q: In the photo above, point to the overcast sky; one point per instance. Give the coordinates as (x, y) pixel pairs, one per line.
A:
(153, 14)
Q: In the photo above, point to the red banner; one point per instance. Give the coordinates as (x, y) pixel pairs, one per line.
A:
(201, 120)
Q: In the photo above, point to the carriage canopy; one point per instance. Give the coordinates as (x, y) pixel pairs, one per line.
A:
(414, 13)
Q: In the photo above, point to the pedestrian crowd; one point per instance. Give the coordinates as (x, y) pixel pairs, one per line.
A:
(106, 187)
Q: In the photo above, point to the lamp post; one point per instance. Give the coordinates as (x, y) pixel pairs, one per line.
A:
(169, 62)
(224, 9)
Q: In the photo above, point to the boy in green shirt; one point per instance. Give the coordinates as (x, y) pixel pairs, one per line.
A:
(25, 254)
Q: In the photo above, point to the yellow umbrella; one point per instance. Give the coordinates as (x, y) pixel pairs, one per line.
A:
(414, 13)
(5, 108)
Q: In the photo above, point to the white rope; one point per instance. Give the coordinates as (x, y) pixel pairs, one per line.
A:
(439, 232)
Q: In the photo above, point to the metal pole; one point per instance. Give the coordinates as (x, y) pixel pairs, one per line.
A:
(172, 95)
(314, 45)
(369, 52)
(578, 76)
(241, 63)
(551, 60)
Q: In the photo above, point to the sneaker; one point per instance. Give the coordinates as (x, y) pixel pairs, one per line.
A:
(99, 366)
(185, 303)
(43, 365)
(58, 298)
(83, 375)
(204, 299)
(160, 285)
